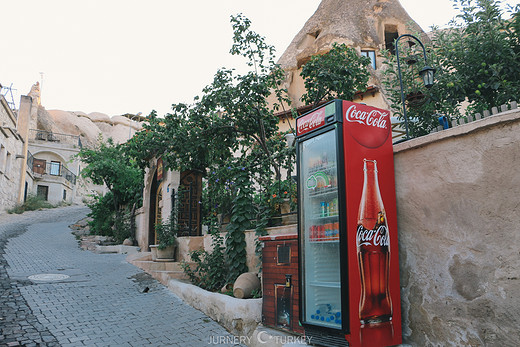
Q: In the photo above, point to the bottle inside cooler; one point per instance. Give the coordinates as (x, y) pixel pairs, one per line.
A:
(320, 220)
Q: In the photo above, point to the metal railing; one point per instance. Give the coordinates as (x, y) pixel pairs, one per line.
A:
(48, 136)
(68, 175)
(56, 169)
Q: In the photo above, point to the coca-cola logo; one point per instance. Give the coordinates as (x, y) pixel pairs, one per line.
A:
(369, 126)
(373, 117)
(311, 121)
(373, 237)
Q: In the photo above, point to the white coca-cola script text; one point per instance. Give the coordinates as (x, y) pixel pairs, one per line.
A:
(311, 121)
(374, 237)
(373, 118)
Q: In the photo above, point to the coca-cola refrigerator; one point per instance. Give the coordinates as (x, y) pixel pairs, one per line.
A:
(347, 228)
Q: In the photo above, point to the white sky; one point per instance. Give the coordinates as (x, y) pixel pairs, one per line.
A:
(129, 56)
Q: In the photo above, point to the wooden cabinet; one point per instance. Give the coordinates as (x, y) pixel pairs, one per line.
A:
(280, 307)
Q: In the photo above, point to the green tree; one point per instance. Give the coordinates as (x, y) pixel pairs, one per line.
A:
(337, 74)
(108, 164)
(477, 61)
(481, 53)
(230, 133)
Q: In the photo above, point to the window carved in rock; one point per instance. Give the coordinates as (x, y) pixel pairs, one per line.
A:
(391, 34)
(370, 53)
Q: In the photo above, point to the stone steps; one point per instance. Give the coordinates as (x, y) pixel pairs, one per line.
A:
(161, 271)
(165, 276)
(139, 256)
(148, 265)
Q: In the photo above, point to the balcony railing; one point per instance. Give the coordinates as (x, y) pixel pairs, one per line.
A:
(48, 136)
(54, 169)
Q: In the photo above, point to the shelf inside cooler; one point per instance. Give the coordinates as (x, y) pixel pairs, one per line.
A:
(319, 192)
(320, 241)
(326, 284)
(326, 324)
(318, 217)
(328, 167)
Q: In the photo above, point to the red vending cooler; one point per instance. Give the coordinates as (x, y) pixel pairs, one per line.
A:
(347, 227)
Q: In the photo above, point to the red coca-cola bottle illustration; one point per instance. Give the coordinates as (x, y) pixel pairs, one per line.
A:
(373, 249)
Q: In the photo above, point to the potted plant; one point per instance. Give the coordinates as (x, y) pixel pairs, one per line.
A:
(166, 237)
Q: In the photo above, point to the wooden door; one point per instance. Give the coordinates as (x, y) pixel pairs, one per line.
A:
(189, 196)
(39, 166)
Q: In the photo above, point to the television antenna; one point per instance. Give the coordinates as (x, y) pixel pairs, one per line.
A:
(7, 92)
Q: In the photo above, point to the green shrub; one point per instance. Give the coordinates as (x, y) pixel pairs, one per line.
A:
(122, 229)
(102, 214)
(211, 271)
(32, 203)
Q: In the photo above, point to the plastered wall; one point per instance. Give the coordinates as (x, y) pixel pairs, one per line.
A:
(458, 201)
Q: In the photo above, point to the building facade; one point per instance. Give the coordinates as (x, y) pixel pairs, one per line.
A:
(34, 161)
(11, 155)
(54, 167)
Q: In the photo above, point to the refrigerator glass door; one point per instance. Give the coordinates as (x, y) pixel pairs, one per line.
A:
(319, 222)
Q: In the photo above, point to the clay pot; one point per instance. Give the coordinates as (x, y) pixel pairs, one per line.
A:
(226, 288)
(245, 284)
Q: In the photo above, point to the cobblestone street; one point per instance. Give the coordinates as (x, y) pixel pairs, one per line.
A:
(101, 300)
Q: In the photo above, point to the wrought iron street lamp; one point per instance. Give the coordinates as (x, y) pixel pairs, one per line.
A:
(426, 73)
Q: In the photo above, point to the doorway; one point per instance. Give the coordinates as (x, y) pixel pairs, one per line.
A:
(158, 210)
(189, 208)
(155, 211)
(39, 166)
(42, 192)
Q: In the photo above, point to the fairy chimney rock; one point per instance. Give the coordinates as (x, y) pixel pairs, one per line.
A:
(365, 25)
(357, 23)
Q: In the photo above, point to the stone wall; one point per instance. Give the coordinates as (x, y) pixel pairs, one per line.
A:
(185, 244)
(458, 199)
(11, 145)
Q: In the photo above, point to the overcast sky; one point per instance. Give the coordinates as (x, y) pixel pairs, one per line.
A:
(129, 56)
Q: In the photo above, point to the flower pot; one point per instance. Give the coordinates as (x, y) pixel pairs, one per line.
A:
(166, 254)
(285, 207)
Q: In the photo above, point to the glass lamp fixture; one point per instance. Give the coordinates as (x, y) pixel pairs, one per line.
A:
(427, 73)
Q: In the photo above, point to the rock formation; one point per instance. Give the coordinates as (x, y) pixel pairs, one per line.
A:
(370, 25)
(88, 126)
(357, 23)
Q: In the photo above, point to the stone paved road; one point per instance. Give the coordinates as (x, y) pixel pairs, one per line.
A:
(103, 302)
